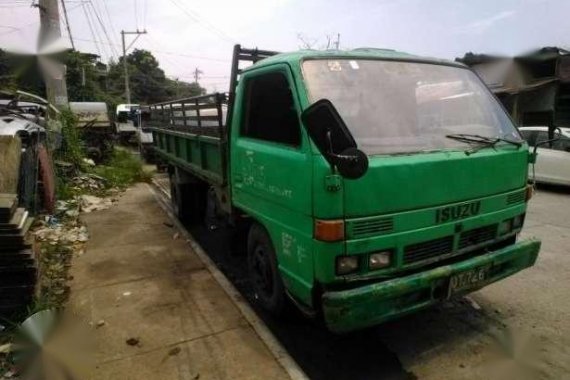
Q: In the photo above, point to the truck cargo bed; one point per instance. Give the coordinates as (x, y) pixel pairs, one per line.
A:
(190, 133)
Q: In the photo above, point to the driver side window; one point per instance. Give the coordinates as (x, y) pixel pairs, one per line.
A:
(270, 112)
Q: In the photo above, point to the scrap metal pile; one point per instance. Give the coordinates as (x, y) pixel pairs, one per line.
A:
(18, 270)
(27, 186)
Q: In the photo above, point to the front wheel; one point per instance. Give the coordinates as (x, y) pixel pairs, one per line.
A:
(266, 281)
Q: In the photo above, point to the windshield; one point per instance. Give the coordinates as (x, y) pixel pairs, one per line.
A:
(404, 107)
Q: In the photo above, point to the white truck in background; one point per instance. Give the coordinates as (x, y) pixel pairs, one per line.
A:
(143, 134)
(125, 120)
(96, 128)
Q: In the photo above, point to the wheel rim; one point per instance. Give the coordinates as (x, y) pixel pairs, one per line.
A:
(262, 274)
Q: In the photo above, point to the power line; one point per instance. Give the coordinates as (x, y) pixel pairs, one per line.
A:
(113, 51)
(105, 48)
(19, 29)
(163, 52)
(145, 13)
(113, 30)
(195, 17)
(136, 15)
(67, 23)
(152, 40)
(91, 29)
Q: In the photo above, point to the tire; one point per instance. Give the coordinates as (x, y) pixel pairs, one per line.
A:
(264, 275)
(178, 199)
(188, 201)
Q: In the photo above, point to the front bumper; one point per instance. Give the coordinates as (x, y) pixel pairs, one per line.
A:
(376, 303)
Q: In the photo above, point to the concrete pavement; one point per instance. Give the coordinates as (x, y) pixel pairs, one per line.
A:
(520, 322)
(141, 281)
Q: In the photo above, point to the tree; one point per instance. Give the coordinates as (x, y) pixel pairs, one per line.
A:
(88, 80)
(20, 72)
(148, 82)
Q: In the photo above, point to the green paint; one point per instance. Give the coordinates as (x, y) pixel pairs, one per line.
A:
(372, 304)
(392, 207)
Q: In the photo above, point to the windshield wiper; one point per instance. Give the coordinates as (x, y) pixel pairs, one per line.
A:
(483, 141)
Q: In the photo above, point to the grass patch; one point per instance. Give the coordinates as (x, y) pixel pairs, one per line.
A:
(122, 170)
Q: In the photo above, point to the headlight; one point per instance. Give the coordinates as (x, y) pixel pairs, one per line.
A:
(505, 227)
(380, 260)
(518, 221)
(346, 265)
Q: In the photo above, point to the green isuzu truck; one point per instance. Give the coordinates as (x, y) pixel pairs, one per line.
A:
(372, 183)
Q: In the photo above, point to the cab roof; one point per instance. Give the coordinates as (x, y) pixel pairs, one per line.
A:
(296, 57)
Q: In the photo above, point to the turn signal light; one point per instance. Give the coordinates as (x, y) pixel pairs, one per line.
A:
(329, 230)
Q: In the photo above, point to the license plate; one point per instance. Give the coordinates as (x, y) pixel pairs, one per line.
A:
(469, 279)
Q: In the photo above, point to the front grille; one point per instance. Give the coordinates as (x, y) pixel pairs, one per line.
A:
(363, 228)
(515, 198)
(477, 236)
(428, 249)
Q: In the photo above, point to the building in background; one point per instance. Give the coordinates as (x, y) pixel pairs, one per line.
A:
(533, 87)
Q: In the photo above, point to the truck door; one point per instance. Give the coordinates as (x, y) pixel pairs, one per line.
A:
(271, 169)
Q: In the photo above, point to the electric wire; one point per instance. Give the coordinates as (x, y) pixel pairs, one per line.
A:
(205, 58)
(136, 15)
(145, 13)
(91, 29)
(100, 20)
(67, 25)
(105, 48)
(204, 23)
(112, 25)
(19, 29)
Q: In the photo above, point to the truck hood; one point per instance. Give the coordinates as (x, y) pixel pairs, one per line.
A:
(407, 182)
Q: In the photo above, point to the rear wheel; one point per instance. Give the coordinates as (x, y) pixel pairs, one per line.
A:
(188, 200)
(264, 274)
(176, 198)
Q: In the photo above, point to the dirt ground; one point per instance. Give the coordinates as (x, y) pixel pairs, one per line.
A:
(157, 312)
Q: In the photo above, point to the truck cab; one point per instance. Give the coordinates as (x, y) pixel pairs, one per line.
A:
(377, 183)
(96, 128)
(125, 119)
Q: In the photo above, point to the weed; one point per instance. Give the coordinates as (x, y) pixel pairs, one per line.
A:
(72, 148)
(122, 170)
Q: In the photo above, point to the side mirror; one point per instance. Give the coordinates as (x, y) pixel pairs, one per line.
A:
(544, 142)
(333, 139)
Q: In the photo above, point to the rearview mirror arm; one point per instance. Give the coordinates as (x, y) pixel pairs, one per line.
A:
(540, 143)
(331, 153)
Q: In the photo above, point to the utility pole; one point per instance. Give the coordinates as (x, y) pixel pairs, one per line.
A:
(197, 73)
(125, 66)
(53, 72)
(67, 23)
(49, 23)
(337, 43)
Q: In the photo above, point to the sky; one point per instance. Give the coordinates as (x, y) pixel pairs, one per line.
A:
(189, 34)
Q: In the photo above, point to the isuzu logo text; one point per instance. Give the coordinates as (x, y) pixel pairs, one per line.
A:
(446, 214)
